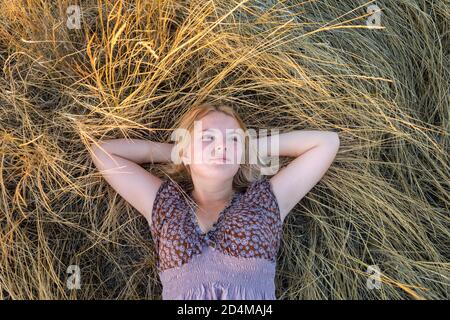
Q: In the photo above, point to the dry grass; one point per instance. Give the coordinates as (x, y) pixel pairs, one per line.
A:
(136, 65)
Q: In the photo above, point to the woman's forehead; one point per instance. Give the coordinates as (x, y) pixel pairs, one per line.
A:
(214, 124)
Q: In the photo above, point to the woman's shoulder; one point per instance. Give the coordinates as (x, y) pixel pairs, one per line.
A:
(260, 194)
(169, 193)
(169, 188)
(167, 200)
(258, 184)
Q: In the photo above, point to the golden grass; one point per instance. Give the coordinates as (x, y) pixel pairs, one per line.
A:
(134, 66)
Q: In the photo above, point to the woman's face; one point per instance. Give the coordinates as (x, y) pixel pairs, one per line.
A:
(216, 146)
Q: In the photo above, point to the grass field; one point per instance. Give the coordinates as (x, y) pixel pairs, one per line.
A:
(72, 72)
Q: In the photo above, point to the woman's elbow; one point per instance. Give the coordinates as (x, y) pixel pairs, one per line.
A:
(330, 138)
(98, 148)
(335, 138)
(332, 141)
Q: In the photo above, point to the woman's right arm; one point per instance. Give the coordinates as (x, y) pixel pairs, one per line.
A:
(119, 160)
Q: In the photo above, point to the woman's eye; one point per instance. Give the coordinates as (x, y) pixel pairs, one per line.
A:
(207, 137)
(236, 138)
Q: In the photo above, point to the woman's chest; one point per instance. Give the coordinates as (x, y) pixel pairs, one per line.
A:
(241, 232)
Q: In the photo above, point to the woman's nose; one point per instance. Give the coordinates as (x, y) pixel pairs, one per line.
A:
(220, 148)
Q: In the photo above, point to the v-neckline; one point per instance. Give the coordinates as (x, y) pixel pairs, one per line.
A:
(194, 219)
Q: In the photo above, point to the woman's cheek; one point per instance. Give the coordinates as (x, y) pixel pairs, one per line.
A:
(206, 152)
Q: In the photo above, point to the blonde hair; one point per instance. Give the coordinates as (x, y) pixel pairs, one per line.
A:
(247, 172)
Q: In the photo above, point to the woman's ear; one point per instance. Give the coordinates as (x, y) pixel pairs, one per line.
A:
(185, 159)
(185, 150)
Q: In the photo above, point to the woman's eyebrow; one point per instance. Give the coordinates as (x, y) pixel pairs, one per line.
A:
(209, 129)
(233, 132)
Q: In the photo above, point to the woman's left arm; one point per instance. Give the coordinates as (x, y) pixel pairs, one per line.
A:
(314, 151)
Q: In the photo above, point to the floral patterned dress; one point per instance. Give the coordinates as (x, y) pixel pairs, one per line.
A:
(235, 259)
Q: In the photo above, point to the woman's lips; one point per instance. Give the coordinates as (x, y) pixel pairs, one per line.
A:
(220, 159)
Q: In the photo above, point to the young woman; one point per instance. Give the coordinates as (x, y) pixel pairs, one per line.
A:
(220, 240)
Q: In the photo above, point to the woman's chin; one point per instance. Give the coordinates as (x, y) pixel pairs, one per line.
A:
(221, 166)
(221, 163)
